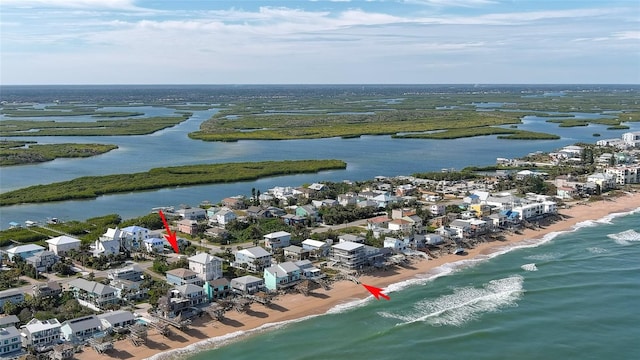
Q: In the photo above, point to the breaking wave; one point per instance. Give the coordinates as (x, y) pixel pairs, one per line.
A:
(596, 250)
(529, 267)
(625, 237)
(465, 304)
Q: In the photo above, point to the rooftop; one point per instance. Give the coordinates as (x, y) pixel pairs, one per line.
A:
(63, 240)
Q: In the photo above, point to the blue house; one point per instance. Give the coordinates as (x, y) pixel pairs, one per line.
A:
(281, 276)
(217, 289)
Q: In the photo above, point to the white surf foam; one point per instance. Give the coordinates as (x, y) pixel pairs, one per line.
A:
(596, 250)
(465, 304)
(529, 267)
(625, 237)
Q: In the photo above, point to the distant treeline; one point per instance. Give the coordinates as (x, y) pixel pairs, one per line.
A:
(93, 186)
(16, 152)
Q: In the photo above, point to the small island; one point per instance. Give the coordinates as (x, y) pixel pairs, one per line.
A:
(29, 152)
(89, 187)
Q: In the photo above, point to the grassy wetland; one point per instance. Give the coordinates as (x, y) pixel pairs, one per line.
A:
(433, 115)
(29, 152)
(90, 187)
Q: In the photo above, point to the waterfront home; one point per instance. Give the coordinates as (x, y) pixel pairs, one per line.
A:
(294, 252)
(351, 238)
(192, 213)
(348, 254)
(80, 329)
(63, 244)
(247, 284)
(129, 290)
(394, 244)
(15, 296)
(281, 276)
(234, 202)
(194, 293)
(108, 243)
(50, 289)
(188, 226)
(308, 271)
(632, 138)
(24, 251)
(93, 294)
(276, 240)
(9, 320)
(606, 181)
(42, 261)
(256, 259)
(114, 320)
(182, 277)
(9, 342)
(41, 334)
(317, 248)
(503, 201)
(133, 273)
(625, 174)
(153, 245)
(207, 267)
(461, 227)
(217, 289)
(433, 239)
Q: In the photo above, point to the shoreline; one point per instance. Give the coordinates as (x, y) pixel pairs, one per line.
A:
(206, 334)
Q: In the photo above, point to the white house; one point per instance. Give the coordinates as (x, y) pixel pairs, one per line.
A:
(256, 259)
(247, 284)
(224, 216)
(62, 244)
(108, 243)
(396, 245)
(278, 239)
(631, 138)
(116, 319)
(153, 245)
(348, 254)
(41, 334)
(316, 247)
(134, 236)
(207, 267)
(80, 329)
(24, 251)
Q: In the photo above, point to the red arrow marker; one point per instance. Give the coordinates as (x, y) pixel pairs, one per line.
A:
(377, 292)
(171, 236)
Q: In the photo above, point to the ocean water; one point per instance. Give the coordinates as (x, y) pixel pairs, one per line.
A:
(571, 295)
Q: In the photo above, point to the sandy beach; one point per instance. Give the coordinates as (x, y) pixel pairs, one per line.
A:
(296, 306)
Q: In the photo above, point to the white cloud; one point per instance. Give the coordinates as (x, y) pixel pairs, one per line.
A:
(84, 4)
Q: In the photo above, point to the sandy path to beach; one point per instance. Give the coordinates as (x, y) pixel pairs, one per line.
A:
(297, 306)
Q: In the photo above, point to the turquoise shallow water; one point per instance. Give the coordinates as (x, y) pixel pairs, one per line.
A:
(569, 296)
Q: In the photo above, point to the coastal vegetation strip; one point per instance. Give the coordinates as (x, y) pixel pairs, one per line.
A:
(72, 111)
(511, 134)
(129, 126)
(296, 126)
(89, 187)
(27, 152)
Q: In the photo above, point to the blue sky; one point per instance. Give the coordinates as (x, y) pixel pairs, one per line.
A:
(319, 42)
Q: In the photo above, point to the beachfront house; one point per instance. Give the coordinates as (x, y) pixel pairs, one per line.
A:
(93, 294)
(308, 271)
(63, 244)
(217, 289)
(281, 276)
(191, 292)
(80, 329)
(394, 244)
(15, 296)
(277, 240)
(207, 267)
(247, 284)
(24, 251)
(41, 334)
(256, 258)
(348, 254)
(317, 248)
(114, 320)
(9, 342)
(182, 276)
(192, 213)
(132, 273)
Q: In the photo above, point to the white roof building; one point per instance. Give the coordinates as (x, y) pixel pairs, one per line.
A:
(62, 244)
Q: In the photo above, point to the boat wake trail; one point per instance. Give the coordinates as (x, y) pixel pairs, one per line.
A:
(626, 237)
(464, 305)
